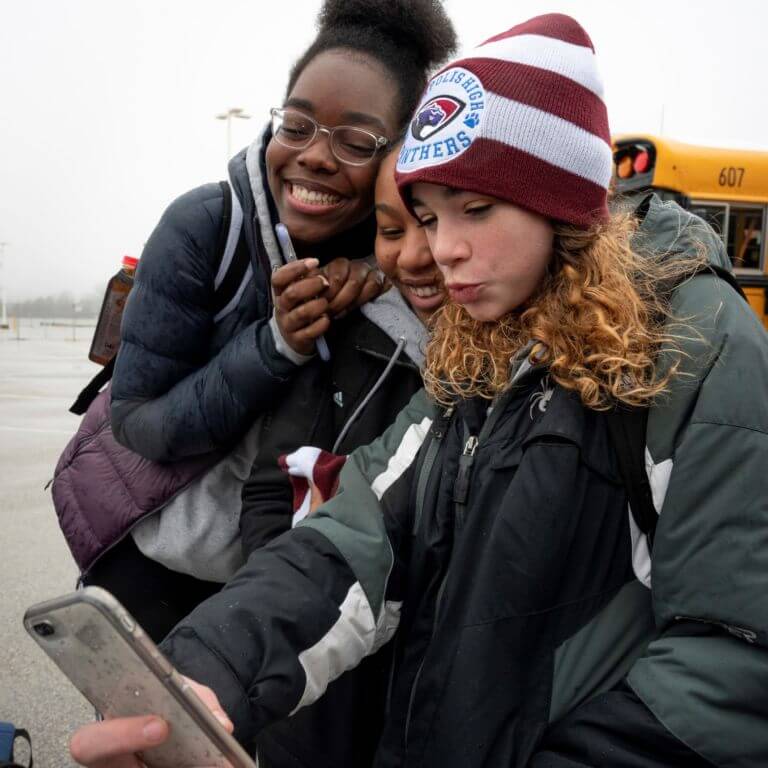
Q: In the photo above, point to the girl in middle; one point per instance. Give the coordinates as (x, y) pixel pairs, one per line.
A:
(393, 329)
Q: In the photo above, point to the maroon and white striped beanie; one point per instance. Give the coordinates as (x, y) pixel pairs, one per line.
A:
(521, 118)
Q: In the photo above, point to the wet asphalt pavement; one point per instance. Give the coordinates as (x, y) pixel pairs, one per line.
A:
(40, 375)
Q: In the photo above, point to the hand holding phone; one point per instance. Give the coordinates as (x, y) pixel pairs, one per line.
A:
(111, 661)
(117, 742)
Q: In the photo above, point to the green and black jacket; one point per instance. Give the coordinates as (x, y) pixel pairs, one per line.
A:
(499, 556)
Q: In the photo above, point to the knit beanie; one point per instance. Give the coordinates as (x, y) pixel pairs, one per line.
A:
(521, 118)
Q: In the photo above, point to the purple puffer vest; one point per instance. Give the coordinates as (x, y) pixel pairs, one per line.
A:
(101, 489)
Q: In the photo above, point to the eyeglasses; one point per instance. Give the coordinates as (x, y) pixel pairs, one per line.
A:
(354, 146)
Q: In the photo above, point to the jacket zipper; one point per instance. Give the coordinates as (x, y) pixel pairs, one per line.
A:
(460, 496)
(466, 460)
(425, 472)
(463, 480)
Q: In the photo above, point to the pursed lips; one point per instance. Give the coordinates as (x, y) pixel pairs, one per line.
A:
(464, 293)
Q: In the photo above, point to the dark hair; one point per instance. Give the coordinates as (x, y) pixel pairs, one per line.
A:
(407, 37)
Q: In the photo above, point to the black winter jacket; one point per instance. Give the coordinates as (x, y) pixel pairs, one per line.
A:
(517, 544)
(317, 407)
(184, 384)
(344, 727)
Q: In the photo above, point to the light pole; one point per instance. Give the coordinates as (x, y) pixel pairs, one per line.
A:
(232, 112)
(4, 318)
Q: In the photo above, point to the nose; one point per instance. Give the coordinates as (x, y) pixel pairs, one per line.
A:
(448, 245)
(415, 255)
(318, 155)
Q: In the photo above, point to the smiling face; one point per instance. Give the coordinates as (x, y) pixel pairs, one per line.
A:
(493, 255)
(317, 196)
(402, 250)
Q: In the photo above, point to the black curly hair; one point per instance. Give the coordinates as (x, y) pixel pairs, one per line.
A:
(407, 37)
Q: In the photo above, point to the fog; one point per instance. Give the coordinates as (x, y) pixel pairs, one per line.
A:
(107, 108)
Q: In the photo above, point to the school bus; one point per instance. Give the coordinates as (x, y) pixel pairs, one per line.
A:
(728, 188)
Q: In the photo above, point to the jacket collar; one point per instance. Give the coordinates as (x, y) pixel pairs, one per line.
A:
(265, 214)
(670, 231)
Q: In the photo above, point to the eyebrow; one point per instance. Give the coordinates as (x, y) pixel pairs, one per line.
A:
(347, 117)
(384, 208)
(300, 104)
(445, 191)
(363, 117)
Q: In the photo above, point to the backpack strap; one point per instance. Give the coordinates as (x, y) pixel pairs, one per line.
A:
(224, 225)
(627, 427)
(726, 275)
(233, 270)
(92, 388)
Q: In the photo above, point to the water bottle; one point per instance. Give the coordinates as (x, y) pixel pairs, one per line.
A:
(106, 339)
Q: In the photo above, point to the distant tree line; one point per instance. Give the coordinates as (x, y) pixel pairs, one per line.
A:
(62, 305)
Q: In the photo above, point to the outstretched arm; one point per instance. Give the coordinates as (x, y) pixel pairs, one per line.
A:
(316, 601)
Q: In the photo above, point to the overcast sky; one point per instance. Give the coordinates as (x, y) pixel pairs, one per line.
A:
(107, 106)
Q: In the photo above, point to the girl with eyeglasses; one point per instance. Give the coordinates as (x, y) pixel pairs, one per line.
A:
(192, 379)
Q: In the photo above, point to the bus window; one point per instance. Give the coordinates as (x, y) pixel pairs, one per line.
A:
(714, 215)
(745, 236)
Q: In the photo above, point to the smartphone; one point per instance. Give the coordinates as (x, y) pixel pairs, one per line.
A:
(103, 651)
(289, 254)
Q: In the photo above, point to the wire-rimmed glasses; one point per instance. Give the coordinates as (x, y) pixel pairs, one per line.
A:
(354, 146)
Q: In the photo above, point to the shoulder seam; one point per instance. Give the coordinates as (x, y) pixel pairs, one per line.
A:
(728, 424)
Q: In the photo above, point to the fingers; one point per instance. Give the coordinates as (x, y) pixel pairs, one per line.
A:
(299, 306)
(337, 272)
(113, 743)
(305, 338)
(304, 315)
(363, 285)
(290, 273)
(208, 697)
(315, 498)
(305, 297)
(347, 296)
(301, 291)
(375, 284)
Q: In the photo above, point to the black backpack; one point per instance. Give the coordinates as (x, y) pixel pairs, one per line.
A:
(627, 427)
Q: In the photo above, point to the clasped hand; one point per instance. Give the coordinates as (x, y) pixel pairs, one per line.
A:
(308, 297)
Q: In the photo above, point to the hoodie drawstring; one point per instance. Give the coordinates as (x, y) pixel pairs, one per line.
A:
(360, 408)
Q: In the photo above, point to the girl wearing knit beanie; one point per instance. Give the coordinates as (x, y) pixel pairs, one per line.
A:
(507, 165)
(566, 538)
(587, 315)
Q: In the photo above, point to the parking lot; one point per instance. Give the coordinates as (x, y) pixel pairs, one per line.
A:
(41, 371)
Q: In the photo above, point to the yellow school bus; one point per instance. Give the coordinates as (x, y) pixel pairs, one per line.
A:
(728, 188)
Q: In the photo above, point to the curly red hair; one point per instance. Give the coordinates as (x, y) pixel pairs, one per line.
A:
(597, 322)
